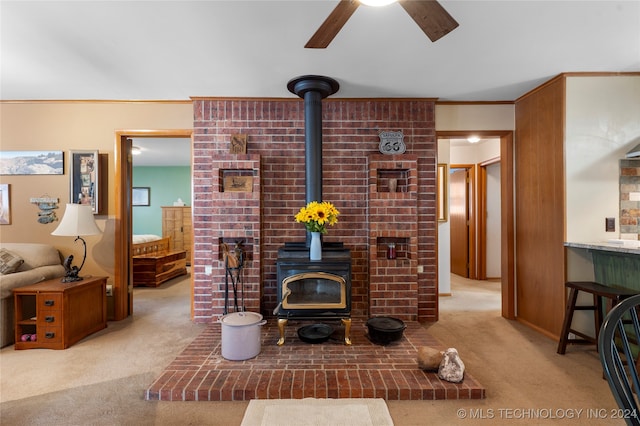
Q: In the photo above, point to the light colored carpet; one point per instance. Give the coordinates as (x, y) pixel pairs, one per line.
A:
(317, 412)
(101, 380)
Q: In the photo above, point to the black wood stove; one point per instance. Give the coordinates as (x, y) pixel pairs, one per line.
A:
(314, 289)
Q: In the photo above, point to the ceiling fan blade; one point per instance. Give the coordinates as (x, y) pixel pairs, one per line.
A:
(430, 16)
(333, 24)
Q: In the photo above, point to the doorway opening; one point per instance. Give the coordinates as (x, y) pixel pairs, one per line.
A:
(123, 276)
(477, 216)
(162, 175)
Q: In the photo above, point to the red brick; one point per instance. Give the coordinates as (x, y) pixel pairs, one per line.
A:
(276, 150)
(331, 370)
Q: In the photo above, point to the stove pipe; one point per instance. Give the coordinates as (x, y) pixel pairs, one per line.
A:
(313, 88)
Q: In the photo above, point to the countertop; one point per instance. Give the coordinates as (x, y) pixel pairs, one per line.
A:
(604, 246)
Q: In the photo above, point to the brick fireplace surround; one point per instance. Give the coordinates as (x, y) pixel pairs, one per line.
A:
(354, 174)
(356, 179)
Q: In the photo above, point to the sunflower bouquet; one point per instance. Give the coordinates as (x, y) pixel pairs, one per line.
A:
(316, 216)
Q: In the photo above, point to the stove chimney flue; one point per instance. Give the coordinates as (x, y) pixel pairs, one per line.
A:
(313, 88)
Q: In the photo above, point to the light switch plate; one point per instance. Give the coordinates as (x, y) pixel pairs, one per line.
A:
(610, 224)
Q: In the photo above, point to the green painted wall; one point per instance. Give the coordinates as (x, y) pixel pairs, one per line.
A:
(167, 185)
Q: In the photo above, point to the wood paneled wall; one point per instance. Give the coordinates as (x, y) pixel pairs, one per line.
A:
(540, 209)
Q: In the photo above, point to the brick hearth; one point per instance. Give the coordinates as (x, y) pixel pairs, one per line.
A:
(300, 370)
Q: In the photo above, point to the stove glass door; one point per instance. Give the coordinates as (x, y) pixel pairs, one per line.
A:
(314, 290)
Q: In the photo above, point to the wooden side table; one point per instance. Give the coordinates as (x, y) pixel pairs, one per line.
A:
(59, 314)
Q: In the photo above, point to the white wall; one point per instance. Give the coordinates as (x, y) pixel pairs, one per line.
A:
(494, 222)
(444, 232)
(602, 124)
(475, 153)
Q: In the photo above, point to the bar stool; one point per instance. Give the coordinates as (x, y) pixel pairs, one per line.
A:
(613, 294)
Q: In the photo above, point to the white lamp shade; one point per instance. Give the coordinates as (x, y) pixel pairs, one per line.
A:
(77, 220)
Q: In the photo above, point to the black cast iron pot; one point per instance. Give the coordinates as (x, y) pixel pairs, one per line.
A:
(384, 330)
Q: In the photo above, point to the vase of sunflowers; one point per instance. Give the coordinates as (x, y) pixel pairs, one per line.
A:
(316, 217)
(315, 246)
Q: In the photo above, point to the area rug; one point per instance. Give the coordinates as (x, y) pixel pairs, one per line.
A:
(317, 412)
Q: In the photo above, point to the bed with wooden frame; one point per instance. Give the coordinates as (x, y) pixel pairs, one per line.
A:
(154, 262)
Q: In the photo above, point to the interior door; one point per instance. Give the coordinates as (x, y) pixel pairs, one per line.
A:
(129, 221)
(459, 221)
(489, 219)
(123, 295)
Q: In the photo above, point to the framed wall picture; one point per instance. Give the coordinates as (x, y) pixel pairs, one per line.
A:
(443, 195)
(84, 173)
(141, 196)
(31, 163)
(5, 205)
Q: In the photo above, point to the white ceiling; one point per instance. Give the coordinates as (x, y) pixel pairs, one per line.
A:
(162, 152)
(146, 49)
(457, 142)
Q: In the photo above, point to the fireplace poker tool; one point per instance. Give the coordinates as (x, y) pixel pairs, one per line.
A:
(233, 263)
(284, 297)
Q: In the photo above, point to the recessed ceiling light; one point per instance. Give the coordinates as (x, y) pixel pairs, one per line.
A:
(473, 139)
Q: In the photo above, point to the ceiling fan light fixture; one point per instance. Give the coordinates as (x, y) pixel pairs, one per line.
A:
(473, 139)
(135, 150)
(377, 3)
(430, 16)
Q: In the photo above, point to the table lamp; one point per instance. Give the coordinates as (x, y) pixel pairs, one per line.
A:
(77, 221)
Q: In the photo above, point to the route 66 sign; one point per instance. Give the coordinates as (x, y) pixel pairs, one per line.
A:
(392, 143)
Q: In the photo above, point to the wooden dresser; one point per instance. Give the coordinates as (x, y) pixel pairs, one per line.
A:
(59, 314)
(176, 224)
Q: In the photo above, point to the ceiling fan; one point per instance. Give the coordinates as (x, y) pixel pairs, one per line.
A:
(430, 16)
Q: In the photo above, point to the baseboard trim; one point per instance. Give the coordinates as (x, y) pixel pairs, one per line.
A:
(538, 329)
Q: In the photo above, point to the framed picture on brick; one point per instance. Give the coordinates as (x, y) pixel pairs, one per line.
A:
(238, 144)
(238, 184)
